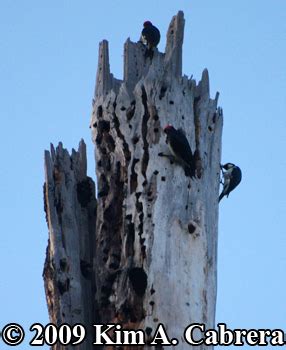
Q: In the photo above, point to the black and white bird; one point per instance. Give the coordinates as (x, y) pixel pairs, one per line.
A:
(231, 178)
(180, 149)
(150, 36)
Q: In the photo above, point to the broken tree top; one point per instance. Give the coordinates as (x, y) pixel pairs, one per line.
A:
(136, 65)
(151, 229)
(151, 218)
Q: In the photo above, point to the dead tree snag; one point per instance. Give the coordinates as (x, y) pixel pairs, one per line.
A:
(149, 253)
(161, 226)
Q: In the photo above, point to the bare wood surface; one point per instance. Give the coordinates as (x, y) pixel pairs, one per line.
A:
(144, 252)
(156, 230)
(70, 212)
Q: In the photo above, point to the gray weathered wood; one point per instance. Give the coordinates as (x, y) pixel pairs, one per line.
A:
(144, 252)
(70, 212)
(154, 224)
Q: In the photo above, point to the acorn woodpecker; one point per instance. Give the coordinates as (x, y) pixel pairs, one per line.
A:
(150, 36)
(232, 177)
(180, 149)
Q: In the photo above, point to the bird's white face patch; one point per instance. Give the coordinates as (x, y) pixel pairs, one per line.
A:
(143, 39)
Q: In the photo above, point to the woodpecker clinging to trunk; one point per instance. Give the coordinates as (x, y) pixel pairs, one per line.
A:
(150, 36)
(232, 177)
(180, 149)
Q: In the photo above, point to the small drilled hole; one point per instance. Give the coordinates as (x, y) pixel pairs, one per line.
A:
(135, 139)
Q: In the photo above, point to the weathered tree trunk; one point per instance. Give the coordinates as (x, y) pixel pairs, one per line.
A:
(154, 244)
(70, 212)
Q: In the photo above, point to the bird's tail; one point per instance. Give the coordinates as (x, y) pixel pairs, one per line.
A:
(189, 171)
(149, 53)
(220, 197)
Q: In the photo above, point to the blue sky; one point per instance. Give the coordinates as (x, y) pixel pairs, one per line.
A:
(47, 67)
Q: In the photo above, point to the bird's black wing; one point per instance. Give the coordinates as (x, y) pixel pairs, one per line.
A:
(181, 146)
(235, 179)
(152, 35)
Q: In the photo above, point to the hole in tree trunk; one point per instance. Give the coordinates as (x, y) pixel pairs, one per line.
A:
(138, 280)
(84, 193)
(162, 92)
(103, 126)
(99, 112)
